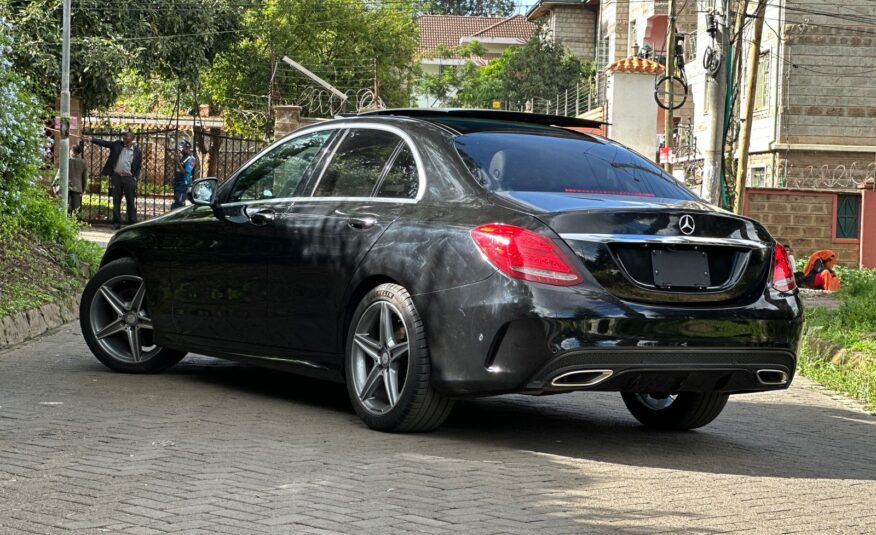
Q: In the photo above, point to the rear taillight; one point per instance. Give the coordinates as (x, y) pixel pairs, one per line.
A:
(524, 254)
(783, 271)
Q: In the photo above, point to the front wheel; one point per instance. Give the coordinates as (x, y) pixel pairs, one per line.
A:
(685, 410)
(116, 323)
(387, 365)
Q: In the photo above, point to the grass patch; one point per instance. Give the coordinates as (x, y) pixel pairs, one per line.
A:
(839, 346)
(42, 258)
(34, 272)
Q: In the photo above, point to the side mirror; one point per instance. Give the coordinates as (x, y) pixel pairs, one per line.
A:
(203, 192)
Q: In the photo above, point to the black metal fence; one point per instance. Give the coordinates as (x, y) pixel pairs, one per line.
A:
(218, 155)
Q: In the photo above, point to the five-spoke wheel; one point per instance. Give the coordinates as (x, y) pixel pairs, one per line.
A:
(119, 319)
(116, 323)
(380, 356)
(387, 364)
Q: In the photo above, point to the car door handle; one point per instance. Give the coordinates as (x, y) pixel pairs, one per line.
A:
(263, 217)
(361, 223)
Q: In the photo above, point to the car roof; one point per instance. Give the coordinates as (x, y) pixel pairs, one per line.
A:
(476, 120)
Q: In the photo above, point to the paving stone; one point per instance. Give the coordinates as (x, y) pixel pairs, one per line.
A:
(214, 447)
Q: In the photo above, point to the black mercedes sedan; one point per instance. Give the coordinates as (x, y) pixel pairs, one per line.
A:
(424, 256)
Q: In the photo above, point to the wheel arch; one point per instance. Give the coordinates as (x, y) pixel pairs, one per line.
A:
(115, 253)
(355, 296)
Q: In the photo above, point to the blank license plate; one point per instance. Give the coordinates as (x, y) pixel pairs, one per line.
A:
(685, 269)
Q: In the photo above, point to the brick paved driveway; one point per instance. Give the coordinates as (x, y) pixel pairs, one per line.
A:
(212, 447)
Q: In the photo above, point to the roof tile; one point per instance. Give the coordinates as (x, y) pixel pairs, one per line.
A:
(447, 30)
(636, 65)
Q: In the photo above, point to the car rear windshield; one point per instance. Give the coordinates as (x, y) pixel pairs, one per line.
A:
(564, 163)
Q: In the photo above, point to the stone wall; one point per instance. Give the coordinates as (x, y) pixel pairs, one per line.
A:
(29, 324)
(575, 28)
(830, 96)
(802, 219)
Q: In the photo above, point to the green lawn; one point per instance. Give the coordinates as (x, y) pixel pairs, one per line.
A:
(839, 346)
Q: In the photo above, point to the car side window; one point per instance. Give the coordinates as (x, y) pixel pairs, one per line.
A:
(402, 180)
(279, 173)
(358, 164)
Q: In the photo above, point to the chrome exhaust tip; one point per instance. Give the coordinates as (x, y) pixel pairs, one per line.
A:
(581, 378)
(772, 377)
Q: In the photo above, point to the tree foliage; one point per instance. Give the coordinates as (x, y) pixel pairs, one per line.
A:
(345, 42)
(539, 69)
(485, 8)
(173, 39)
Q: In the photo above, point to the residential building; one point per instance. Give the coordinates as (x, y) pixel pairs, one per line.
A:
(570, 22)
(495, 34)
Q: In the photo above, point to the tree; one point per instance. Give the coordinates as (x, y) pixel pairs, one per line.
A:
(174, 39)
(484, 8)
(539, 69)
(348, 43)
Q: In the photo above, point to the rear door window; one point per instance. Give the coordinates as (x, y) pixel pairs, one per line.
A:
(361, 159)
(402, 179)
(563, 163)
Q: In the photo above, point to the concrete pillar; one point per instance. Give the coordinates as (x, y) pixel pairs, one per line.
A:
(287, 119)
(632, 111)
(867, 243)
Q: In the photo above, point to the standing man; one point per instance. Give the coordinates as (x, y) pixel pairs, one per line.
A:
(182, 179)
(78, 179)
(123, 168)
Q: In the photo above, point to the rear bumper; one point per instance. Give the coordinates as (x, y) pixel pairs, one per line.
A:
(502, 336)
(666, 370)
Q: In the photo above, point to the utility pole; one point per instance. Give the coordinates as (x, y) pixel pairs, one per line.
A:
(748, 112)
(64, 149)
(669, 49)
(716, 93)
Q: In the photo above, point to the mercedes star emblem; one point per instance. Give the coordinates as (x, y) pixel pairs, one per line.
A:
(686, 224)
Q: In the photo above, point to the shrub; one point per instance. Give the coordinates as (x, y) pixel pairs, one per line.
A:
(25, 208)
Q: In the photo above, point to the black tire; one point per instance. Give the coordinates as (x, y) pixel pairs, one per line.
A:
(419, 406)
(155, 359)
(689, 410)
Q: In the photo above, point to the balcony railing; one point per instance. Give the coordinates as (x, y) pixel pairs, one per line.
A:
(584, 97)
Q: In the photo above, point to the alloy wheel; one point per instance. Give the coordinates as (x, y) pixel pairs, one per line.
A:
(119, 320)
(657, 402)
(380, 357)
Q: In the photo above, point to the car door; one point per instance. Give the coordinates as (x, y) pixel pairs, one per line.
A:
(221, 285)
(369, 178)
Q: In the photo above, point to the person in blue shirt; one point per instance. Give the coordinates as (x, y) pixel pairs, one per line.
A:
(182, 179)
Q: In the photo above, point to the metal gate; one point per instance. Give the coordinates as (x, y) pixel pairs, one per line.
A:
(218, 155)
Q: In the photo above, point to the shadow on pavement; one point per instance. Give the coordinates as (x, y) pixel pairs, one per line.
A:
(770, 439)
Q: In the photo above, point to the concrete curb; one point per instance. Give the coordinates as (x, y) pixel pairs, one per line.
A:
(28, 324)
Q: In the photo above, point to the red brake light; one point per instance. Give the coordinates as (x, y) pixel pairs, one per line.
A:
(524, 254)
(783, 271)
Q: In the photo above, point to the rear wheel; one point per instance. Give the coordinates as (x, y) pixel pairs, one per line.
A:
(685, 410)
(116, 323)
(387, 365)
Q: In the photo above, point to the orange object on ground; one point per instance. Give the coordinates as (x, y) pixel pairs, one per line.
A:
(818, 273)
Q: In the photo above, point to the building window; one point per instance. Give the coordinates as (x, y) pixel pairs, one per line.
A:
(633, 40)
(762, 93)
(602, 54)
(690, 47)
(757, 177)
(848, 216)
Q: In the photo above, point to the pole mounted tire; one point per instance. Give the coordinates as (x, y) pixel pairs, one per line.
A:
(387, 365)
(116, 323)
(686, 410)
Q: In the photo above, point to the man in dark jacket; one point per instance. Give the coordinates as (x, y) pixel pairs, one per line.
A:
(123, 168)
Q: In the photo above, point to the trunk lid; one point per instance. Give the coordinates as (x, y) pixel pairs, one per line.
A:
(656, 250)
